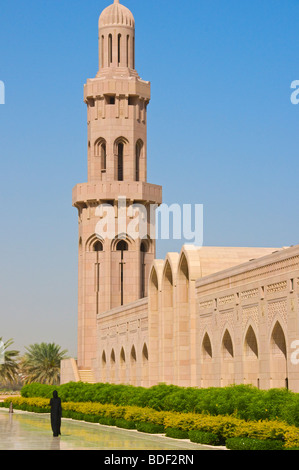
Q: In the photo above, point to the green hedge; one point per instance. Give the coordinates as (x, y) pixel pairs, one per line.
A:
(150, 428)
(206, 438)
(241, 443)
(176, 433)
(244, 401)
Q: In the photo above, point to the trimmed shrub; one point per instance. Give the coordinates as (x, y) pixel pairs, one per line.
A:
(243, 443)
(207, 438)
(150, 428)
(176, 433)
(107, 421)
(123, 423)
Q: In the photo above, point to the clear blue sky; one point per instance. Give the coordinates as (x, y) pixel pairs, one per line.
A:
(222, 132)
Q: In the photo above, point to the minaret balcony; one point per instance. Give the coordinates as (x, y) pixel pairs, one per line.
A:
(106, 191)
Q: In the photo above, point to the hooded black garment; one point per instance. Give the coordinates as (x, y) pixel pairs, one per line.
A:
(55, 404)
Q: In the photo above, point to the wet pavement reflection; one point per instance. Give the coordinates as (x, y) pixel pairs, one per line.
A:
(28, 431)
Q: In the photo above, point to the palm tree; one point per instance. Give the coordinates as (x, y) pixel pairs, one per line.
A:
(41, 363)
(9, 367)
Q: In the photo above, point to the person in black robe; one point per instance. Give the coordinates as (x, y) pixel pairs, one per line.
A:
(55, 404)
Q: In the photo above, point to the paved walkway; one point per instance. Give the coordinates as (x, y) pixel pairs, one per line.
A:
(29, 431)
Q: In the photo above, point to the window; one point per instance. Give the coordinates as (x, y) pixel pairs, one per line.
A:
(128, 45)
(110, 49)
(102, 51)
(137, 159)
(133, 53)
(103, 157)
(119, 46)
(98, 246)
(100, 151)
(122, 246)
(120, 162)
(143, 250)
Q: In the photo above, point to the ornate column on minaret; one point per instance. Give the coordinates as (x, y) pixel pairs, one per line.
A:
(114, 256)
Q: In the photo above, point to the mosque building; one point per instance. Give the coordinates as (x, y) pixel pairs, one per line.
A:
(204, 317)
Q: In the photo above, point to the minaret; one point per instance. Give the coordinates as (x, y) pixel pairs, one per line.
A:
(114, 264)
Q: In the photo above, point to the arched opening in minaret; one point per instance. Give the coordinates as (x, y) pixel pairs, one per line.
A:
(133, 53)
(100, 151)
(118, 48)
(128, 45)
(120, 162)
(110, 49)
(98, 246)
(103, 157)
(139, 145)
(102, 51)
(143, 251)
(122, 246)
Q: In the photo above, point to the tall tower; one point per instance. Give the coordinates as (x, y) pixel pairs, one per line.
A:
(114, 260)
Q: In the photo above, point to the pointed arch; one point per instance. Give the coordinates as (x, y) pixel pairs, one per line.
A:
(104, 360)
(154, 327)
(168, 318)
(144, 366)
(121, 274)
(182, 351)
(112, 356)
(183, 279)
(145, 352)
(207, 352)
(278, 357)
(227, 360)
(206, 362)
(122, 367)
(154, 290)
(122, 237)
(91, 242)
(250, 343)
(278, 341)
(122, 355)
(250, 357)
(104, 367)
(133, 354)
(100, 150)
(119, 151)
(167, 285)
(98, 246)
(110, 49)
(227, 345)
